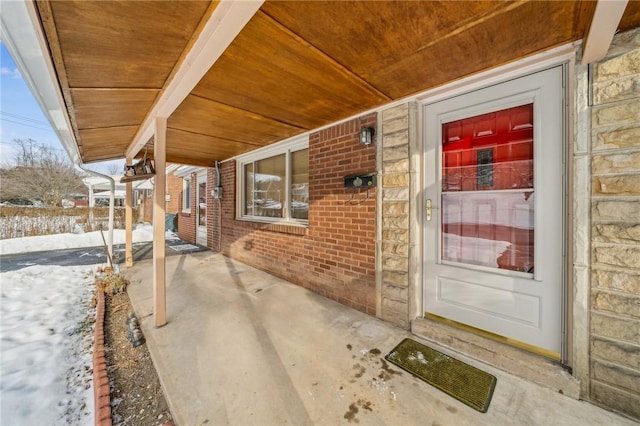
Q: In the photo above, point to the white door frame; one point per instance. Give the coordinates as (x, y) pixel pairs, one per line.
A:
(201, 231)
(458, 92)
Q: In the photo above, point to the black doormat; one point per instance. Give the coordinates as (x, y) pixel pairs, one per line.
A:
(462, 381)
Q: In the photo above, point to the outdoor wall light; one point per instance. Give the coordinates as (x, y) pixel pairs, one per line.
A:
(366, 135)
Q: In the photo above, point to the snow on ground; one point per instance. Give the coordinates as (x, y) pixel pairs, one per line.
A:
(46, 335)
(142, 233)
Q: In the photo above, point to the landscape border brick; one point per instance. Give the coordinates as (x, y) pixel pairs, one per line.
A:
(101, 390)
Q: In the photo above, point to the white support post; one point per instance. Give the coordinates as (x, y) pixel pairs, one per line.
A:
(159, 279)
(604, 24)
(92, 200)
(128, 203)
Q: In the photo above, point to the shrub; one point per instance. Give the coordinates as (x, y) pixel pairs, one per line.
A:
(25, 221)
(111, 283)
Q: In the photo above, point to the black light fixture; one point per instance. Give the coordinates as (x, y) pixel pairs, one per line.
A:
(366, 135)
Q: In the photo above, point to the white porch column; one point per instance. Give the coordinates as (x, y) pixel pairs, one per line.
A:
(92, 200)
(128, 203)
(159, 279)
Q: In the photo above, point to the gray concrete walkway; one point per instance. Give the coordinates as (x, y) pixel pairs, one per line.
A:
(243, 347)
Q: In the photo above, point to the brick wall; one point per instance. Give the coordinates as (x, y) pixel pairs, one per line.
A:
(335, 255)
(187, 221)
(174, 191)
(615, 228)
(146, 205)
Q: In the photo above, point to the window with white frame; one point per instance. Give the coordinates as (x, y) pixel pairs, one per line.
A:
(273, 183)
(186, 195)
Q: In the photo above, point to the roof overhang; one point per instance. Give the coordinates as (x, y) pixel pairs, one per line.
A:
(231, 77)
(23, 37)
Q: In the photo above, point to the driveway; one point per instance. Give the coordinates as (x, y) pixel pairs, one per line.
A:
(91, 255)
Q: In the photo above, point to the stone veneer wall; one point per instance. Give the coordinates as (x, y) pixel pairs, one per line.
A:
(397, 269)
(615, 227)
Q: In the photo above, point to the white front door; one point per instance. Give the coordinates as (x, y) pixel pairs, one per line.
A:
(493, 210)
(201, 237)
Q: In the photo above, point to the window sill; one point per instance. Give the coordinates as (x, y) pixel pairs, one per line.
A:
(283, 227)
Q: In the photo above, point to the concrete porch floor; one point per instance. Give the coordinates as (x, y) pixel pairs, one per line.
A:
(243, 347)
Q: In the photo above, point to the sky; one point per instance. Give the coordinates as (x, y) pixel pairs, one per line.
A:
(22, 118)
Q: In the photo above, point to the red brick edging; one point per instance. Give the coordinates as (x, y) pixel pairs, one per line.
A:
(101, 390)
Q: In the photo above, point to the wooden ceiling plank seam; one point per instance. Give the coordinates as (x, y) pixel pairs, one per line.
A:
(200, 115)
(253, 113)
(474, 21)
(99, 152)
(189, 161)
(47, 22)
(196, 153)
(604, 24)
(107, 128)
(211, 38)
(342, 69)
(114, 89)
(176, 129)
(583, 18)
(148, 116)
(203, 147)
(96, 108)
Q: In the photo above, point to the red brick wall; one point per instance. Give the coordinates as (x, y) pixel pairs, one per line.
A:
(187, 221)
(174, 190)
(335, 255)
(146, 205)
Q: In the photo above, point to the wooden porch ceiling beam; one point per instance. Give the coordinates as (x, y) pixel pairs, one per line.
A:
(603, 27)
(222, 27)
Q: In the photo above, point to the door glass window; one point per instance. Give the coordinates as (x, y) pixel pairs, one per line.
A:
(202, 203)
(487, 190)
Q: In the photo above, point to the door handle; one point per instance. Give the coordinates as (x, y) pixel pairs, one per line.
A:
(428, 209)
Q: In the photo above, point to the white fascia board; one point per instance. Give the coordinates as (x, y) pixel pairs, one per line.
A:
(223, 26)
(171, 167)
(604, 25)
(186, 171)
(22, 34)
(145, 184)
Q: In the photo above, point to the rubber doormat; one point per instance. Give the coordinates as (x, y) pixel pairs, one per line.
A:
(462, 381)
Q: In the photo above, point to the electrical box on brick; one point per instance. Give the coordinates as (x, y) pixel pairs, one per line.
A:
(216, 192)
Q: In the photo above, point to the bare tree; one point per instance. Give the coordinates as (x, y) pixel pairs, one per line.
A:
(114, 169)
(40, 172)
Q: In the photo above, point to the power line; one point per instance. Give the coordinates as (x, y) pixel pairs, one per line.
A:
(49, 147)
(24, 117)
(26, 125)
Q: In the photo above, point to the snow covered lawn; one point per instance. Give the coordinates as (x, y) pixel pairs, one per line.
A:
(46, 334)
(65, 241)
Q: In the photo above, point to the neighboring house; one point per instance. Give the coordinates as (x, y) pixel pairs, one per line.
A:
(195, 204)
(173, 193)
(471, 175)
(100, 190)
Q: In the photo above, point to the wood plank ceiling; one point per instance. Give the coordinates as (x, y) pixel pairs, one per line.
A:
(295, 66)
